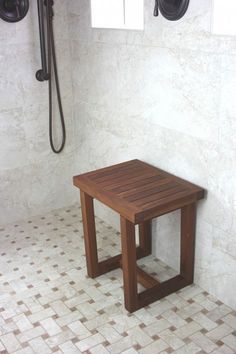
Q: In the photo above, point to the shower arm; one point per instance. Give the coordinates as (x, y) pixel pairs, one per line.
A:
(42, 74)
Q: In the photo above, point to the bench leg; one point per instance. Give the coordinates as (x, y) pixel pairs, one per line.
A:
(188, 224)
(89, 234)
(94, 267)
(145, 237)
(130, 254)
(156, 290)
(129, 264)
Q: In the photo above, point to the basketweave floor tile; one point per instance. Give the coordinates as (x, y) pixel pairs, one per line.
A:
(49, 305)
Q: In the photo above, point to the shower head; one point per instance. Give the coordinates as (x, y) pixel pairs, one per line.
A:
(13, 10)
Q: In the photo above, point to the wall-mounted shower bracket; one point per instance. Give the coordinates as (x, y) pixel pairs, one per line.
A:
(49, 66)
(42, 74)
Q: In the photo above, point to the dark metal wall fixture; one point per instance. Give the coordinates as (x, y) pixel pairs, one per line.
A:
(172, 10)
(16, 10)
(49, 66)
(13, 10)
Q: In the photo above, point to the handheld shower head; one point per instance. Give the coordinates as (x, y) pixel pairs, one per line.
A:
(13, 10)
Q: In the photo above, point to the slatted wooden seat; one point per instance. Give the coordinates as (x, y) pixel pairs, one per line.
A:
(139, 192)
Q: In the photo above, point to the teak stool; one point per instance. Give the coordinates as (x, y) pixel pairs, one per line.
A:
(139, 192)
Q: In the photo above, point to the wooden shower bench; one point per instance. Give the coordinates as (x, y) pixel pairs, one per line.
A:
(139, 193)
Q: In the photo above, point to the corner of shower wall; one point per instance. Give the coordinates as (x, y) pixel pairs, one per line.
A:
(33, 179)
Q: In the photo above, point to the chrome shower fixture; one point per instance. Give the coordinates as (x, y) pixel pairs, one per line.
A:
(172, 10)
(13, 10)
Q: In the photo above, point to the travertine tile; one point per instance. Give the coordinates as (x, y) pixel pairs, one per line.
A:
(120, 346)
(64, 311)
(26, 350)
(60, 308)
(155, 347)
(230, 340)
(191, 348)
(39, 346)
(139, 336)
(189, 311)
(22, 322)
(130, 351)
(205, 343)
(79, 330)
(10, 342)
(69, 348)
(219, 332)
(171, 339)
(204, 321)
(51, 327)
(99, 349)
(174, 319)
(30, 334)
(223, 350)
(109, 333)
(187, 330)
(230, 320)
(157, 327)
(90, 342)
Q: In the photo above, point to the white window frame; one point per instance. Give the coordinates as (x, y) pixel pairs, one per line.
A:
(223, 17)
(120, 14)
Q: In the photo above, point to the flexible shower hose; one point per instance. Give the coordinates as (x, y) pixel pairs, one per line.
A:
(52, 66)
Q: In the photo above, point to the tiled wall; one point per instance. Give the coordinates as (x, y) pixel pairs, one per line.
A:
(165, 95)
(32, 178)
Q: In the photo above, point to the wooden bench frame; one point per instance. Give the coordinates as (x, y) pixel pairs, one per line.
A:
(132, 274)
(139, 193)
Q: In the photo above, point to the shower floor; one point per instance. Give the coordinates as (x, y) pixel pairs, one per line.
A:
(48, 305)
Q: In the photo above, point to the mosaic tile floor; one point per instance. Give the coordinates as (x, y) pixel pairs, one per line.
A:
(48, 305)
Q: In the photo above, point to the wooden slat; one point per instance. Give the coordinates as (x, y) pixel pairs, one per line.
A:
(130, 181)
(120, 205)
(167, 196)
(117, 173)
(110, 264)
(153, 193)
(187, 184)
(156, 197)
(126, 186)
(161, 290)
(130, 176)
(159, 210)
(144, 187)
(136, 190)
(145, 279)
(117, 167)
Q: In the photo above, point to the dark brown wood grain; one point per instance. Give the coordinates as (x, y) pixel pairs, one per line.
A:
(139, 192)
(129, 264)
(145, 279)
(136, 190)
(145, 237)
(89, 234)
(188, 220)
